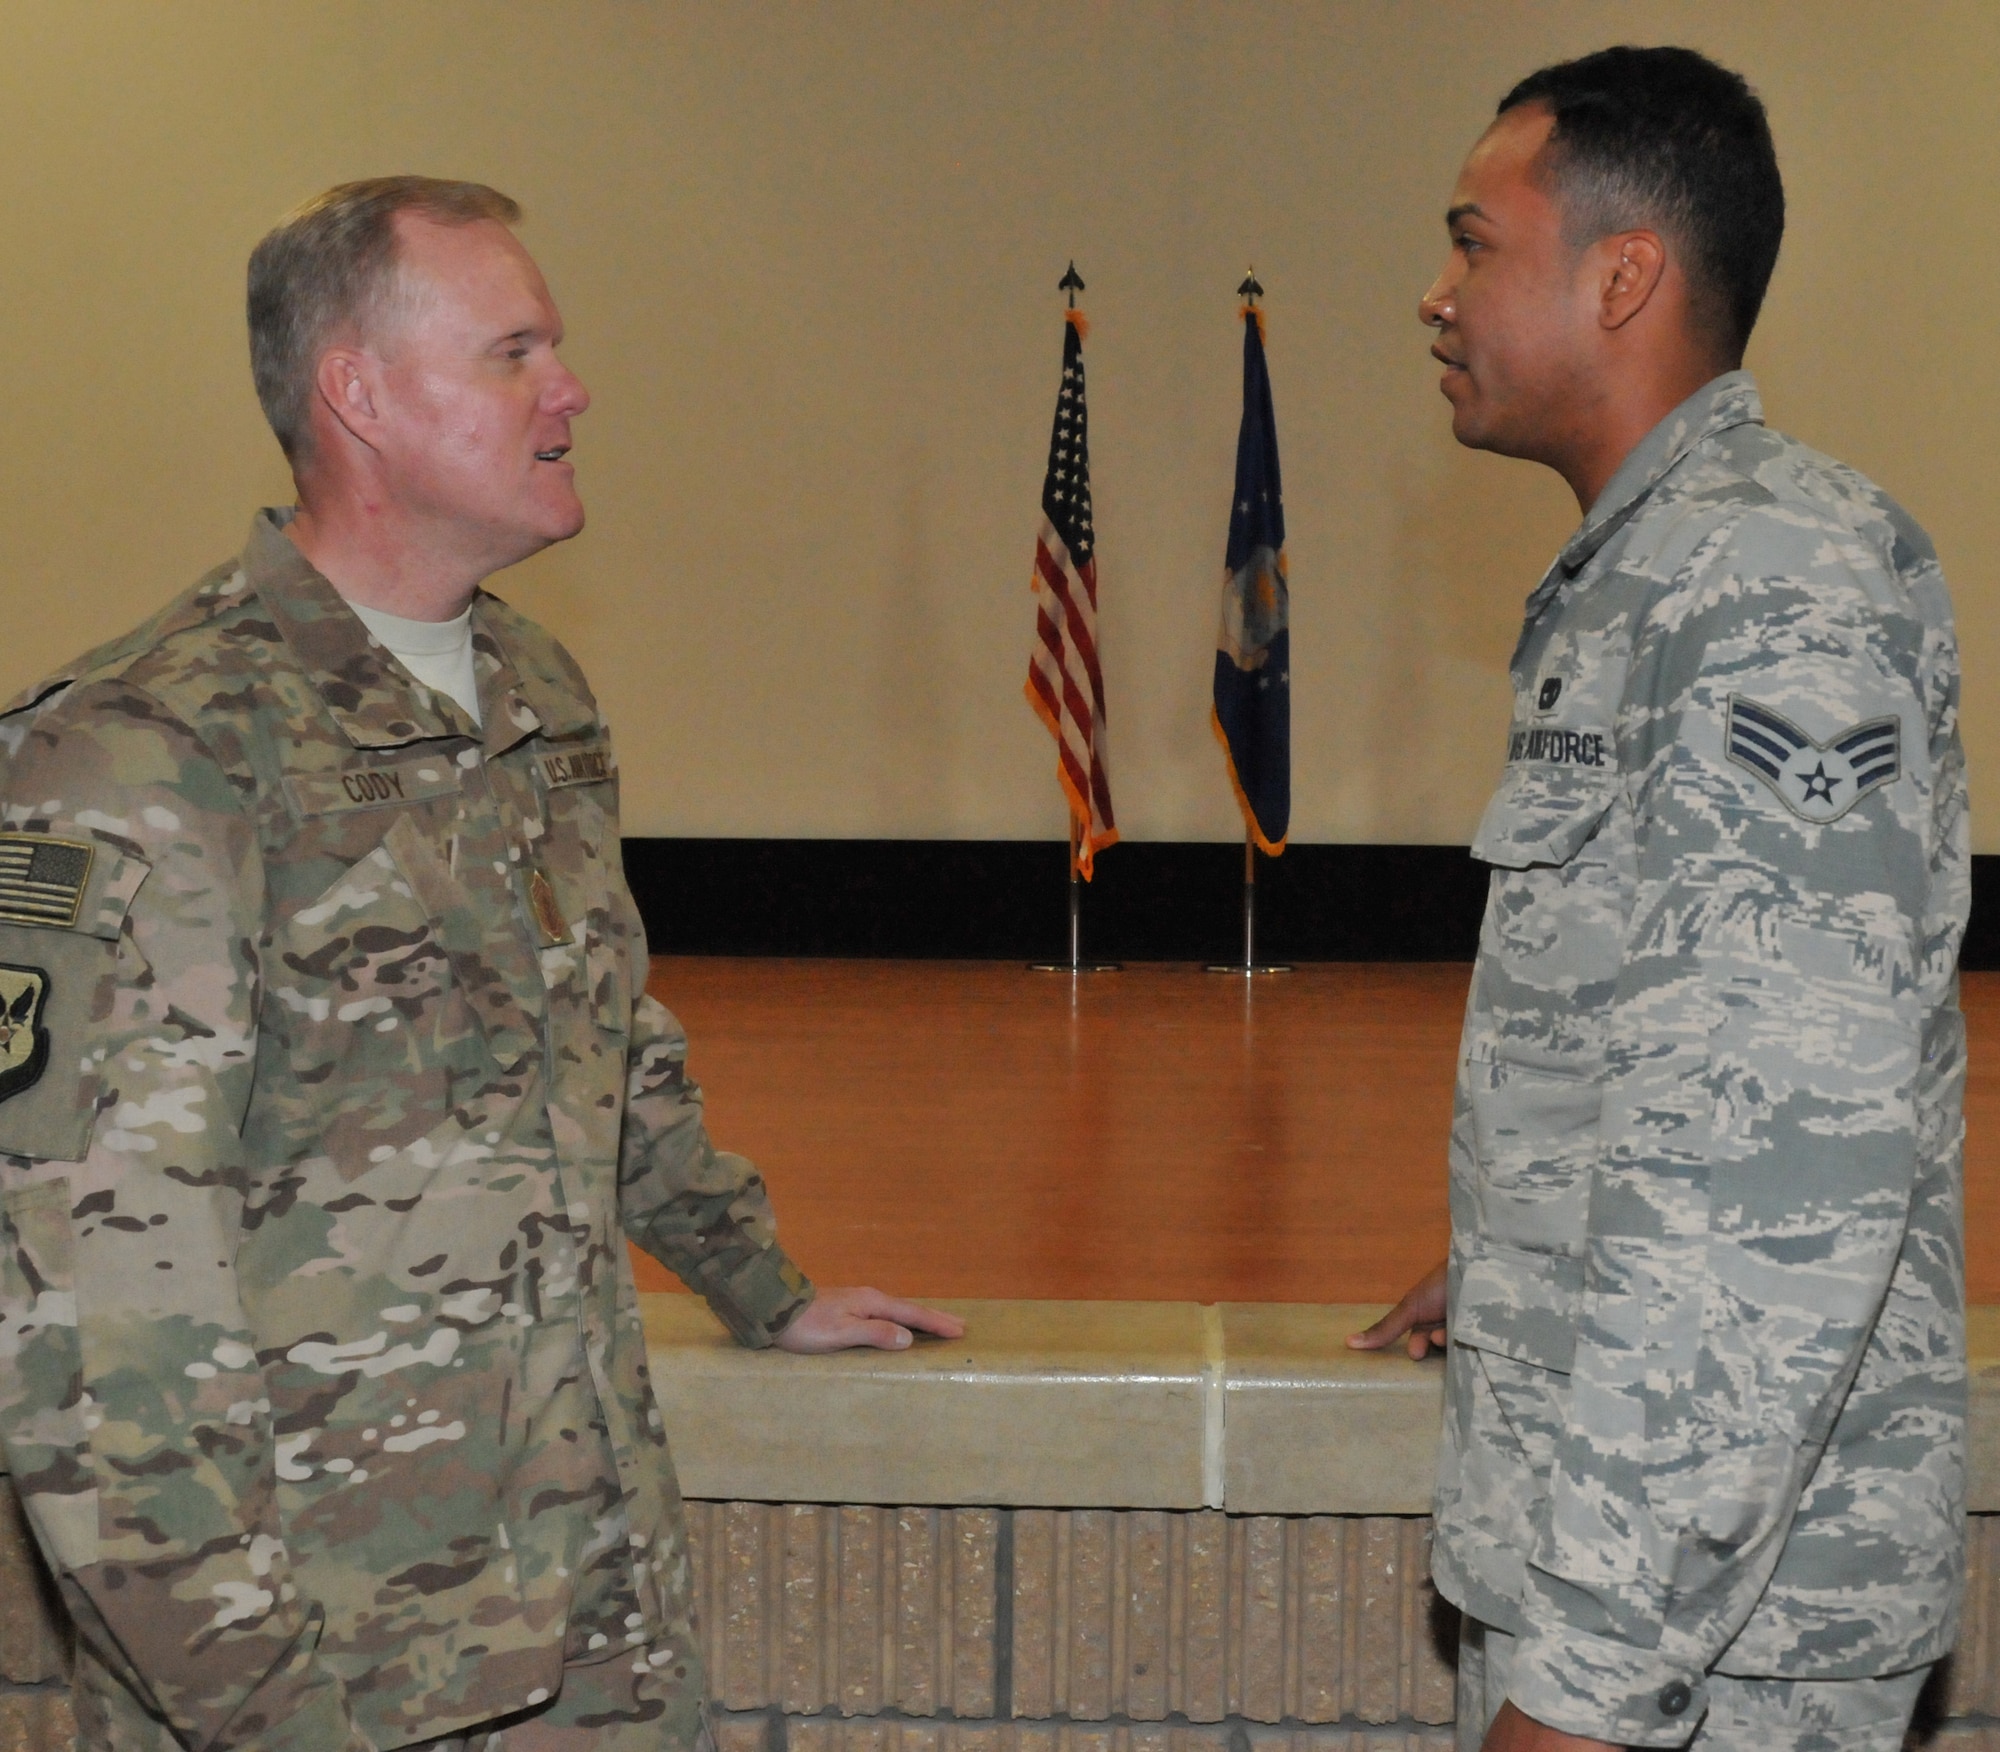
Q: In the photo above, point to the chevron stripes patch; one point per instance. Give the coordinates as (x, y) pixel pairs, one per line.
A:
(1817, 781)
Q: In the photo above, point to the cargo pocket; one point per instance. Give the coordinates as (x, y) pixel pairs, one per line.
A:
(1535, 1138)
(1518, 1304)
(41, 1373)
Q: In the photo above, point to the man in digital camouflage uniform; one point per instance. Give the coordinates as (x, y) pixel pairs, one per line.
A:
(330, 1091)
(1702, 1471)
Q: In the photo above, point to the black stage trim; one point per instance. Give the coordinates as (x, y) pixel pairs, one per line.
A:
(1008, 900)
(1151, 901)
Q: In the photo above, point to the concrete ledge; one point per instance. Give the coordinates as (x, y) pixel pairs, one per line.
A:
(1257, 1408)
(1045, 1404)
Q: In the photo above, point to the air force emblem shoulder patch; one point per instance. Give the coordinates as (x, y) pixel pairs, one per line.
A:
(24, 1038)
(1817, 781)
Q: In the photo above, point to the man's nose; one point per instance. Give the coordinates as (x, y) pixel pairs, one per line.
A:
(567, 396)
(1439, 305)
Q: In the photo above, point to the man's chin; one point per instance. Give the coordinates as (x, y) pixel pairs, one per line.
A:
(1473, 428)
(563, 522)
(1466, 421)
(1467, 427)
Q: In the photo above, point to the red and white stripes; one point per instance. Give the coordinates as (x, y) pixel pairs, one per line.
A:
(1066, 688)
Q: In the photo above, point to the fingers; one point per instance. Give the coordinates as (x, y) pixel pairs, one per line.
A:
(921, 1319)
(1406, 1314)
(1420, 1313)
(845, 1319)
(872, 1304)
(879, 1335)
(1385, 1331)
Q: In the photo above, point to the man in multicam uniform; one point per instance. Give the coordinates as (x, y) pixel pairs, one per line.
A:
(1702, 1472)
(330, 1091)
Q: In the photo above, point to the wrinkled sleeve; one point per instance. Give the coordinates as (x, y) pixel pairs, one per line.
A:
(132, 1409)
(702, 1212)
(1758, 1138)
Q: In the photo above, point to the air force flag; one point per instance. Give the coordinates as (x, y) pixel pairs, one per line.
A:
(1253, 655)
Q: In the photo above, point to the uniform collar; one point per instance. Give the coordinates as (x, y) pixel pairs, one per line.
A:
(1723, 402)
(519, 693)
(373, 699)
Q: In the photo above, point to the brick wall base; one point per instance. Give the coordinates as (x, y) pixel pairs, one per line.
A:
(863, 1629)
(774, 1731)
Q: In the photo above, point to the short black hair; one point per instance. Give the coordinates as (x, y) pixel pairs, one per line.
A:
(1665, 138)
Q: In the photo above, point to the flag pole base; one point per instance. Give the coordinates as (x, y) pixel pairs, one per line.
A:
(1077, 965)
(1249, 965)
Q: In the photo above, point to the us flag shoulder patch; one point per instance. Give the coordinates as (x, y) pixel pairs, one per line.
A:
(42, 879)
(1817, 781)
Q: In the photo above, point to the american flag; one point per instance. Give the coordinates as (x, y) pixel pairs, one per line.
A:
(1065, 684)
(42, 879)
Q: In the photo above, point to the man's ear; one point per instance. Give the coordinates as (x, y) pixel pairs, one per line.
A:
(1632, 265)
(347, 380)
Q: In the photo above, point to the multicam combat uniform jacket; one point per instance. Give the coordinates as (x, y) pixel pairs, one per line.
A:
(321, 1373)
(1706, 1391)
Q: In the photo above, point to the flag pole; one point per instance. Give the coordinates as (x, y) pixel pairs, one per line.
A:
(1072, 283)
(1249, 964)
(1250, 291)
(1076, 963)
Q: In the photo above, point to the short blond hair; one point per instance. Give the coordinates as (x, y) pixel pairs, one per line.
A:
(329, 266)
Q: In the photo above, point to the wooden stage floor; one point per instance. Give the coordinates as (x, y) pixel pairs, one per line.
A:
(1161, 1134)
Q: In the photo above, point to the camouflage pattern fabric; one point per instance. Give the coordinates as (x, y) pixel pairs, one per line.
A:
(321, 1372)
(642, 1704)
(1706, 1390)
(1744, 1715)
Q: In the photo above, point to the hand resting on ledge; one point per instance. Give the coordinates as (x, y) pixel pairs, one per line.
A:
(1420, 1313)
(850, 1318)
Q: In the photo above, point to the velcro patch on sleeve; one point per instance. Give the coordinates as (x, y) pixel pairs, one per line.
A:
(590, 765)
(42, 879)
(24, 1036)
(1818, 782)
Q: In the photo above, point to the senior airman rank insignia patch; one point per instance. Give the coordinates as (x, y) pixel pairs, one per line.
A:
(1817, 781)
(42, 879)
(24, 1042)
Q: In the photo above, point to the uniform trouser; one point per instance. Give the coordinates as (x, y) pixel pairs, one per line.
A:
(1744, 1715)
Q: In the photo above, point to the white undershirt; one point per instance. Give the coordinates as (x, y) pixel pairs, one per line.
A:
(437, 653)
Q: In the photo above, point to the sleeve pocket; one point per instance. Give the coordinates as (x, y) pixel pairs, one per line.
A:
(1542, 815)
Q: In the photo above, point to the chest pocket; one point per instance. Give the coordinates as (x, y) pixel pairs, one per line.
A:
(1532, 1080)
(593, 970)
(358, 989)
(63, 903)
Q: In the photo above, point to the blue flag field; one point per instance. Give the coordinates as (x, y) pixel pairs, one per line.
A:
(1253, 654)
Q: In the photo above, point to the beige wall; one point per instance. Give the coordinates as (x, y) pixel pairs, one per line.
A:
(808, 259)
